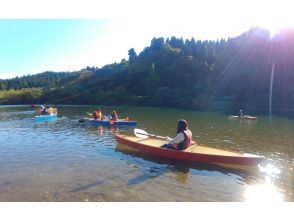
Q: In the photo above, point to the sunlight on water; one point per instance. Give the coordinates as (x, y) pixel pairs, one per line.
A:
(269, 169)
(265, 192)
(62, 160)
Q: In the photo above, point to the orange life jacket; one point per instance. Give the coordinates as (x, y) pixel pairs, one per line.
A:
(97, 115)
(187, 141)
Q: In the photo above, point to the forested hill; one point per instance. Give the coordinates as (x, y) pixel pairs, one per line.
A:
(224, 74)
(47, 79)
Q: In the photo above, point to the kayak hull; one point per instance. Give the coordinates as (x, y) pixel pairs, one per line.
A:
(45, 117)
(192, 154)
(94, 122)
(246, 117)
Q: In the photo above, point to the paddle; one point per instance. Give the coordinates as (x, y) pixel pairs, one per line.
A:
(143, 134)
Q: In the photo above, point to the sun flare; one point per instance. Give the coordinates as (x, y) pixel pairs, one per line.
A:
(273, 15)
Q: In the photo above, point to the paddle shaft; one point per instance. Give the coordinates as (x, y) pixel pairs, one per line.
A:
(151, 135)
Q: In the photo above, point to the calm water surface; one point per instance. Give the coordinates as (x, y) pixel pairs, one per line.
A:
(60, 160)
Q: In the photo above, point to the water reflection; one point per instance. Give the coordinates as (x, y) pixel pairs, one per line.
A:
(265, 191)
(182, 169)
(61, 160)
(242, 122)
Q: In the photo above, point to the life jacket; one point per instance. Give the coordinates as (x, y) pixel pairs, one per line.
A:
(114, 118)
(187, 141)
(97, 115)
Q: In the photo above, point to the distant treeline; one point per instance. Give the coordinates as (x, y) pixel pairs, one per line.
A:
(226, 74)
(46, 79)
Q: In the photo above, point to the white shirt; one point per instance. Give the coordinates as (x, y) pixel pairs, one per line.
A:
(178, 139)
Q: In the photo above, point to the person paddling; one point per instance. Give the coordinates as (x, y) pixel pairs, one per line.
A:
(114, 117)
(44, 110)
(97, 114)
(183, 140)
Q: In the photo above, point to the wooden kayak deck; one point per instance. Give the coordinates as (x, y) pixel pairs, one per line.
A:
(152, 142)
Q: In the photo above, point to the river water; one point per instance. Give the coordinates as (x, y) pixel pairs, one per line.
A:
(61, 160)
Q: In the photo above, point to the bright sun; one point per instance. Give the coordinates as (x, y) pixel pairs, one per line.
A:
(274, 26)
(274, 15)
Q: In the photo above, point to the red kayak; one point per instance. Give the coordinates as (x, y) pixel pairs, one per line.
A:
(195, 153)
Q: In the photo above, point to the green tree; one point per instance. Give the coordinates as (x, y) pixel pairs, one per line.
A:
(132, 55)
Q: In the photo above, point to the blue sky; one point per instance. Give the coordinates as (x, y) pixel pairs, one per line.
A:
(31, 46)
(96, 33)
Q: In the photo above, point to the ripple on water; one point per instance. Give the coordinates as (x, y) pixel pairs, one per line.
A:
(60, 160)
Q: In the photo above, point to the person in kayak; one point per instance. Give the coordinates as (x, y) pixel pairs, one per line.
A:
(44, 110)
(97, 114)
(183, 140)
(114, 117)
(241, 113)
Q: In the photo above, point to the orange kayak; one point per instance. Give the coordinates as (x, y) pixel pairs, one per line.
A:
(195, 153)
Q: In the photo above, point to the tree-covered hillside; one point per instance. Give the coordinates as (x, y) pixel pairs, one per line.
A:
(224, 74)
(46, 79)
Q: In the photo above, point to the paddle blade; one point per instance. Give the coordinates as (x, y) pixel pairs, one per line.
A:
(140, 133)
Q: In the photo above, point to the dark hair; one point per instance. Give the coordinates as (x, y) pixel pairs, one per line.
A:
(98, 109)
(182, 126)
(114, 114)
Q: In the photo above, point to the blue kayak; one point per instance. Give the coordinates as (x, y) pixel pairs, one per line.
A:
(45, 117)
(93, 122)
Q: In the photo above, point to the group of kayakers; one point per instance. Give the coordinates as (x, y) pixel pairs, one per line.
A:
(182, 141)
(97, 115)
(42, 110)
